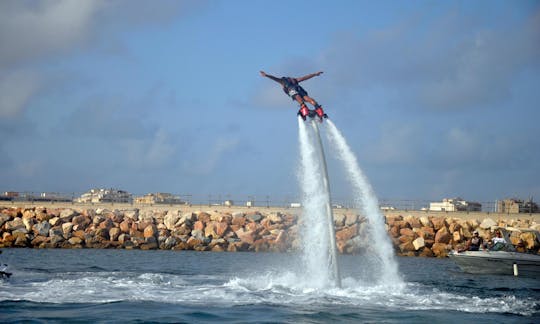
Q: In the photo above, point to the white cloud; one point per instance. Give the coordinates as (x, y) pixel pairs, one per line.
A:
(31, 29)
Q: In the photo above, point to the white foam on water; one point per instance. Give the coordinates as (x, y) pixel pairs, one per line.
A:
(288, 289)
(384, 263)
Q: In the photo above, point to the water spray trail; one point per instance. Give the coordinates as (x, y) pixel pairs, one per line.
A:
(380, 243)
(316, 245)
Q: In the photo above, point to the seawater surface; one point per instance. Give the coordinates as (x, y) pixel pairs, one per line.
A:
(184, 286)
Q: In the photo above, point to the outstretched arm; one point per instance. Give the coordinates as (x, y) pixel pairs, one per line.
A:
(270, 77)
(309, 76)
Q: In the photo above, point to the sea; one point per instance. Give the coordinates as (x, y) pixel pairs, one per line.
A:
(134, 286)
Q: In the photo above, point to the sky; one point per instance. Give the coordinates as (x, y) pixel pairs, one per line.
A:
(437, 99)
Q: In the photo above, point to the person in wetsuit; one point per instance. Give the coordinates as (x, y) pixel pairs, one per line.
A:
(293, 89)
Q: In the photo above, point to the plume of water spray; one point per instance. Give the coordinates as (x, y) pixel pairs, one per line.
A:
(318, 257)
(384, 263)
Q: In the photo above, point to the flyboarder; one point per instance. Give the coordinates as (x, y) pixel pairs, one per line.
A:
(293, 89)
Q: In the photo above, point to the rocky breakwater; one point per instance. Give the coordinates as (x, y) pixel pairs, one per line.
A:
(436, 236)
(40, 227)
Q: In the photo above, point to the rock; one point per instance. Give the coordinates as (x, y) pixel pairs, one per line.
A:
(438, 223)
(412, 221)
(42, 228)
(16, 223)
(21, 239)
(67, 214)
(98, 219)
(114, 233)
(418, 243)
(425, 221)
(28, 223)
(246, 236)
(426, 252)
(171, 219)
(122, 238)
(55, 221)
(487, 223)
(529, 240)
(102, 234)
(4, 218)
(407, 232)
(42, 215)
(238, 219)
(38, 240)
(150, 231)
(169, 243)
(456, 236)
(339, 220)
(75, 240)
(66, 229)
(81, 221)
(203, 217)
(221, 228)
(275, 218)
(351, 219)
(254, 217)
(55, 239)
(132, 214)
(125, 226)
(406, 247)
(440, 250)
(199, 225)
(347, 233)
(442, 236)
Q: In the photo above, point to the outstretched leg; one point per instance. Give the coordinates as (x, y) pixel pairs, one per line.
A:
(304, 110)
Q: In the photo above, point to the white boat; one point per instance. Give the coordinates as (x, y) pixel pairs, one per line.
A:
(504, 262)
(498, 262)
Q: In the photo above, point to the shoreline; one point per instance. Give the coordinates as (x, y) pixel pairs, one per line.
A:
(239, 228)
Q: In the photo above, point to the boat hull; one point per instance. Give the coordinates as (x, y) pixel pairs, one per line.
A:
(498, 262)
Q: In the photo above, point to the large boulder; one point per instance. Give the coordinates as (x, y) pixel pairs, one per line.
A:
(443, 236)
(171, 219)
(150, 231)
(438, 223)
(440, 250)
(67, 214)
(246, 236)
(418, 243)
(42, 228)
(16, 223)
(487, 223)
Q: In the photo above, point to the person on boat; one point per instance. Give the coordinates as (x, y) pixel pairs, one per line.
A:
(293, 89)
(498, 242)
(475, 242)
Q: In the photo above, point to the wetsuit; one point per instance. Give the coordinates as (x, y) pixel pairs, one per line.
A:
(292, 88)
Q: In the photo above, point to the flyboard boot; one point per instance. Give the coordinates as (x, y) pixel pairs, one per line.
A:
(320, 112)
(304, 111)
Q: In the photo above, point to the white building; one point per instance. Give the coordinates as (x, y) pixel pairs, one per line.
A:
(455, 204)
(105, 195)
(159, 198)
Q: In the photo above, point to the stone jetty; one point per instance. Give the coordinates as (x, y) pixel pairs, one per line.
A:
(258, 231)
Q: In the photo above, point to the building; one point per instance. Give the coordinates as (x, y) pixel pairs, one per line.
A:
(105, 196)
(514, 206)
(159, 198)
(455, 204)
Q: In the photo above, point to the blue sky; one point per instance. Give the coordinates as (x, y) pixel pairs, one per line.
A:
(437, 99)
